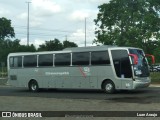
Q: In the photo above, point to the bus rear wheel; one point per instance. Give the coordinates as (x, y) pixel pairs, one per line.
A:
(33, 86)
(109, 87)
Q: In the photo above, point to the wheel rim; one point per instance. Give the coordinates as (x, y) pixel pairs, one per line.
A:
(109, 87)
(33, 86)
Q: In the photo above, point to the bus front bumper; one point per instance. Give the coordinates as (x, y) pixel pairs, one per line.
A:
(141, 84)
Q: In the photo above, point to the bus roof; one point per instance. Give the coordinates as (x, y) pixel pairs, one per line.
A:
(94, 48)
(37, 53)
(68, 50)
(89, 48)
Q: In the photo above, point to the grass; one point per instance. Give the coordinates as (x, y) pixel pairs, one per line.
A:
(155, 77)
(3, 71)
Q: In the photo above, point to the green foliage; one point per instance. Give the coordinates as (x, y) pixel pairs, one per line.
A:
(26, 48)
(67, 44)
(8, 46)
(55, 45)
(157, 54)
(133, 23)
(5, 28)
(155, 79)
(51, 45)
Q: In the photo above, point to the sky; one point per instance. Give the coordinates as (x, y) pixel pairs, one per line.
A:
(50, 19)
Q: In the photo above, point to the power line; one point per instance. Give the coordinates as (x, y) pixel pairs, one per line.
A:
(49, 35)
(53, 30)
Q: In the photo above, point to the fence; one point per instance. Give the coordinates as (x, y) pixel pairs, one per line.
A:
(3, 72)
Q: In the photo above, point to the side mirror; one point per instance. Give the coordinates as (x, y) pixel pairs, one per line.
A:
(152, 56)
(135, 58)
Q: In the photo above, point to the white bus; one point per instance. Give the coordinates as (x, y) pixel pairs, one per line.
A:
(102, 67)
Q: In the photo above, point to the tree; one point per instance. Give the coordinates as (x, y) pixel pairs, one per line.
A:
(51, 45)
(8, 46)
(55, 45)
(129, 23)
(6, 30)
(26, 48)
(67, 44)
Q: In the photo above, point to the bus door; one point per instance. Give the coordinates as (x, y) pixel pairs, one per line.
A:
(122, 68)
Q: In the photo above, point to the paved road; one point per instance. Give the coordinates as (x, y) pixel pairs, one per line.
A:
(148, 95)
(20, 99)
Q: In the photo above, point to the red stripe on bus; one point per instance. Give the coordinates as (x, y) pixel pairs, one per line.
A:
(83, 74)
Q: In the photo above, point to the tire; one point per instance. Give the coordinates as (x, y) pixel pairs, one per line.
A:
(109, 87)
(33, 86)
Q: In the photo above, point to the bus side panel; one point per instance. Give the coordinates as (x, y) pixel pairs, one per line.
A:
(12, 77)
(44, 80)
(77, 78)
(27, 74)
(104, 73)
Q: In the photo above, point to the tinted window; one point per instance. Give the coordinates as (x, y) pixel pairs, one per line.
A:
(80, 58)
(15, 61)
(99, 58)
(30, 61)
(121, 63)
(62, 59)
(45, 60)
(142, 62)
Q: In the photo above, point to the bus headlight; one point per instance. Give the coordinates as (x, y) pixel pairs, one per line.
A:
(138, 72)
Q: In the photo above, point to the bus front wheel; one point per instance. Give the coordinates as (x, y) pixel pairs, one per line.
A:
(109, 87)
(33, 86)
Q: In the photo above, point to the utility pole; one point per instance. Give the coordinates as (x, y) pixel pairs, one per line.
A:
(66, 37)
(28, 25)
(85, 32)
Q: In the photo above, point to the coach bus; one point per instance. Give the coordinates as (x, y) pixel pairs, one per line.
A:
(101, 67)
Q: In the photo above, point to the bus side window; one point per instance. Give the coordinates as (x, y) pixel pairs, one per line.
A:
(62, 59)
(80, 58)
(45, 60)
(100, 58)
(15, 61)
(30, 61)
(11, 62)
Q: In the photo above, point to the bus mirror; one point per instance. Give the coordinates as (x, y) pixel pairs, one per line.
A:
(135, 58)
(152, 56)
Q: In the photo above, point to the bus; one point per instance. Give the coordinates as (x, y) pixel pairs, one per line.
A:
(109, 68)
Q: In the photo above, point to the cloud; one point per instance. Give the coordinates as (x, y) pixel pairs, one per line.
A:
(23, 41)
(79, 38)
(22, 16)
(36, 42)
(34, 20)
(39, 11)
(3, 12)
(80, 15)
(45, 7)
(78, 33)
(98, 1)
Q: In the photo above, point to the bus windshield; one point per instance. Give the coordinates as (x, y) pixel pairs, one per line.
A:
(141, 69)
